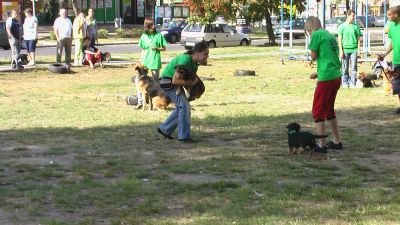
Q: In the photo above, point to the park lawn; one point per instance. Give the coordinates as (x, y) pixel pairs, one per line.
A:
(72, 152)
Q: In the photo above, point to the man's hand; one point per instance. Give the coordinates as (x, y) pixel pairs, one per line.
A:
(381, 57)
(341, 54)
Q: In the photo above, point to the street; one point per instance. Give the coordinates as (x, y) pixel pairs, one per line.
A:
(122, 48)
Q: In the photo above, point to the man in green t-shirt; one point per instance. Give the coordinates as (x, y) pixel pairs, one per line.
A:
(349, 42)
(394, 35)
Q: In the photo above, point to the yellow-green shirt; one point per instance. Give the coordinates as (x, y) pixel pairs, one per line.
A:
(78, 23)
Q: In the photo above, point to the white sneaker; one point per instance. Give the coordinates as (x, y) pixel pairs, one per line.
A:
(31, 63)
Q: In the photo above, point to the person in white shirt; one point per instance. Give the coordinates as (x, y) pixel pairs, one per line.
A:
(63, 30)
(30, 35)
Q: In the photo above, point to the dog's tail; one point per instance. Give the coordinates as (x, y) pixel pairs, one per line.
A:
(321, 136)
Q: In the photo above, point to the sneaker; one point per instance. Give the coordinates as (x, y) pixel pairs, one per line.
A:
(336, 146)
(187, 140)
(319, 149)
(169, 137)
(31, 63)
(398, 111)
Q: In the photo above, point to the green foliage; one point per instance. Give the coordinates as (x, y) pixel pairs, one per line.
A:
(123, 33)
(102, 33)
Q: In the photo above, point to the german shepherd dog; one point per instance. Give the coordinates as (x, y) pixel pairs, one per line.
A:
(150, 89)
(297, 138)
(184, 73)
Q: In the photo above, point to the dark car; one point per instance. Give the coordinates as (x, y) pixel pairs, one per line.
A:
(3, 36)
(172, 30)
(297, 28)
(371, 21)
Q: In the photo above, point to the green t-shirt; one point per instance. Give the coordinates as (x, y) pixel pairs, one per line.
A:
(149, 58)
(394, 35)
(326, 46)
(183, 59)
(349, 34)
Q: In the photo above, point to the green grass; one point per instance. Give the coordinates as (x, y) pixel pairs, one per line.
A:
(72, 152)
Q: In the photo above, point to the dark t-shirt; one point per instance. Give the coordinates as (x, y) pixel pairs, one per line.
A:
(92, 49)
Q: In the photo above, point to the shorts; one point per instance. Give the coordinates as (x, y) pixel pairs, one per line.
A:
(396, 82)
(30, 45)
(324, 100)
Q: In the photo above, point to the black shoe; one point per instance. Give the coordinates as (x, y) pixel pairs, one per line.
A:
(398, 111)
(336, 146)
(169, 137)
(318, 149)
(138, 107)
(187, 140)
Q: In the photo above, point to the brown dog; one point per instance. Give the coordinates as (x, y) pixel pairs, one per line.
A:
(150, 89)
(186, 74)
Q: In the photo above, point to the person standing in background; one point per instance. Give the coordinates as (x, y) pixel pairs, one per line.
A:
(79, 33)
(349, 35)
(30, 35)
(91, 28)
(152, 43)
(14, 33)
(63, 30)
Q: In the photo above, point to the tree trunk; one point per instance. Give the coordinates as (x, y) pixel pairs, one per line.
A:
(75, 8)
(270, 30)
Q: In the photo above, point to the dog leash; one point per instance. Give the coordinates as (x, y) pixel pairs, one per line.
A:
(378, 61)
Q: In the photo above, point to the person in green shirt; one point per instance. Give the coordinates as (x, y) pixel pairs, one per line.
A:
(180, 117)
(324, 49)
(349, 35)
(394, 35)
(152, 43)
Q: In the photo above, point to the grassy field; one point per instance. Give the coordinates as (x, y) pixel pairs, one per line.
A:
(72, 152)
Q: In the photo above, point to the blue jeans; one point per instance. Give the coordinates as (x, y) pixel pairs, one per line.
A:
(346, 82)
(180, 117)
(156, 75)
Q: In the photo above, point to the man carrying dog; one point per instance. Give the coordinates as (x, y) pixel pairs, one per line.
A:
(394, 35)
(349, 42)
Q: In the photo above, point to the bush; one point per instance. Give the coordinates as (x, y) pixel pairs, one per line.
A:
(102, 33)
(52, 35)
(122, 33)
(136, 32)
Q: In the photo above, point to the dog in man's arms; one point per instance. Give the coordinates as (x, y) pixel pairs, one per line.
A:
(184, 76)
(150, 89)
(297, 139)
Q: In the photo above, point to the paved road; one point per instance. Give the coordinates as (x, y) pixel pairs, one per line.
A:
(123, 48)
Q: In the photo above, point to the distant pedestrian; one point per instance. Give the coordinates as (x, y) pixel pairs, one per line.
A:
(91, 28)
(349, 35)
(324, 48)
(394, 35)
(79, 33)
(30, 35)
(152, 43)
(14, 33)
(63, 31)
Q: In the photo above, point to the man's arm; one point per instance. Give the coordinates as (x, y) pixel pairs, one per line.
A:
(340, 46)
(8, 29)
(180, 82)
(388, 50)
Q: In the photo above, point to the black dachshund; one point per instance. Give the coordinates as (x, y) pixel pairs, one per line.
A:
(297, 138)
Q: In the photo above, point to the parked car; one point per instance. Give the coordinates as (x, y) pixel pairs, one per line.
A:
(297, 28)
(217, 34)
(333, 23)
(3, 36)
(380, 21)
(371, 21)
(172, 30)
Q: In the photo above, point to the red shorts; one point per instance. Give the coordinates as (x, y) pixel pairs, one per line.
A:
(94, 59)
(324, 100)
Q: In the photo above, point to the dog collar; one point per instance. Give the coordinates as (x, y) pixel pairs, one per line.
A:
(292, 132)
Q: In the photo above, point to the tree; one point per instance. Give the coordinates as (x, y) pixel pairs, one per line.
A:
(255, 10)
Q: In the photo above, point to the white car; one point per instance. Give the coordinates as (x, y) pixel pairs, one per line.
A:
(214, 34)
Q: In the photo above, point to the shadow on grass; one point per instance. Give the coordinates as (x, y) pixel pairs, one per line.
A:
(238, 171)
